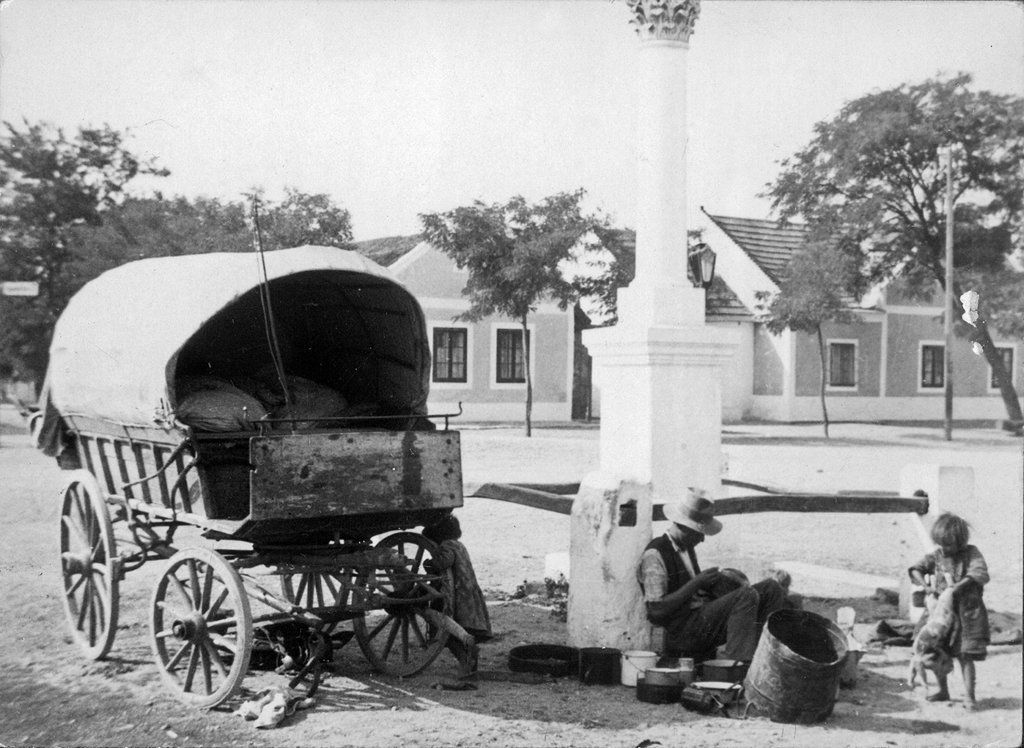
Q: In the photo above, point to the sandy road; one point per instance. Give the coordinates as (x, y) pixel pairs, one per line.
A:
(53, 696)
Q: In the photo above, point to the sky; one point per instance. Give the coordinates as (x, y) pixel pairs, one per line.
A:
(397, 108)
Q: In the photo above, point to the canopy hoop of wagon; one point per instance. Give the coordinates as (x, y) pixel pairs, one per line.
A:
(162, 403)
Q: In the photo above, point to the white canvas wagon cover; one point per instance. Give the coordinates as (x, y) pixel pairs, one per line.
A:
(127, 336)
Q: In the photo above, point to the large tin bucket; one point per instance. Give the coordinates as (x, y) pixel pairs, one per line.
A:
(794, 676)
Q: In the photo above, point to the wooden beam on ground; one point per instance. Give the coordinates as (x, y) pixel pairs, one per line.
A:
(551, 502)
(853, 503)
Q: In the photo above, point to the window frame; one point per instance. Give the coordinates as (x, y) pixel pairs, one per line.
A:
(931, 388)
(449, 325)
(531, 341)
(855, 344)
(453, 332)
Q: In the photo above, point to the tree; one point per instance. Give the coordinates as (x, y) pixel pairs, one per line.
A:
(65, 218)
(50, 184)
(872, 181)
(815, 290)
(303, 218)
(513, 252)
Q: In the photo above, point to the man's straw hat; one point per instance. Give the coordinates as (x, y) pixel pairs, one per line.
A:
(695, 511)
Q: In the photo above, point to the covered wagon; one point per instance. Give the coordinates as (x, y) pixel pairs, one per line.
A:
(275, 405)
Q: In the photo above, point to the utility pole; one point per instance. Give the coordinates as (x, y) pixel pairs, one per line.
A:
(947, 356)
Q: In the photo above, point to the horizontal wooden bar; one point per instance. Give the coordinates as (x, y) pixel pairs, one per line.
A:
(561, 489)
(531, 497)
(851, 503)
(854, 503)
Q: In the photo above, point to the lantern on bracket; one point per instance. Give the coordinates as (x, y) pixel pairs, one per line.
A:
(702, 265)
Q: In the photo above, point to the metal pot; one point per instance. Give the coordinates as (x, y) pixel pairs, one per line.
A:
(724, 692)
(731, 671)
(652, 694)
(663, 676)
(600, 665)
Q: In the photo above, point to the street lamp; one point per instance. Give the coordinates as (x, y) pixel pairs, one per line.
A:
(702, 265)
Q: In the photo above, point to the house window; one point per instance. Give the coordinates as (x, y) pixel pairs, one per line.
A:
(932, 363)
(509, 356)
(450, 354)
(1007, 355)
(842, 364)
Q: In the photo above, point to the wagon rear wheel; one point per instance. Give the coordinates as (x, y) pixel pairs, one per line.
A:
(201, 627)
(402, 641)
(89, 565)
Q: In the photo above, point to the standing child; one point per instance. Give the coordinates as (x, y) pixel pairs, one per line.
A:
(960, 567)
(468, 607)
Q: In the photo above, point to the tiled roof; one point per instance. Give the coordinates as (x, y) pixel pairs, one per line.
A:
(720, 302)
(389, 249)
(767, 243)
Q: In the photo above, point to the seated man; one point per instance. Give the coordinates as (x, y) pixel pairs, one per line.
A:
(697, 608)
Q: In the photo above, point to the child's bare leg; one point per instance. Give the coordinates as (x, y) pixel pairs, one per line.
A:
(943, 693)
(967, 668)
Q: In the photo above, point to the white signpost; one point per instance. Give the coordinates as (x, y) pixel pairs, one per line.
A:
(19, 288)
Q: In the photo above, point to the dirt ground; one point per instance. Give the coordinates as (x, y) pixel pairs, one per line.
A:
(51, 695)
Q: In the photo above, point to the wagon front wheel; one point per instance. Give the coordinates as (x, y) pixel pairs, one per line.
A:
(89, 565)
(201, 625)
(402, 640)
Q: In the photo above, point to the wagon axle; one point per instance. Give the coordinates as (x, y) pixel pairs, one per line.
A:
(77, 563)
(189, 629)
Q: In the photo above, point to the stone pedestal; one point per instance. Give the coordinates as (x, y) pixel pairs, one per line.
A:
(660, 433)
(607, 537)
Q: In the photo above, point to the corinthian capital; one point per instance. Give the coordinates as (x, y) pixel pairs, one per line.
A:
(664, 19)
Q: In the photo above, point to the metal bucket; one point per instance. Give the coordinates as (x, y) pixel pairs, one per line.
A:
(634, 662)
(794, 676)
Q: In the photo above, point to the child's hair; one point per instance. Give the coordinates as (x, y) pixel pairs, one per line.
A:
(783, 578)
(951, 530)
(444, 529)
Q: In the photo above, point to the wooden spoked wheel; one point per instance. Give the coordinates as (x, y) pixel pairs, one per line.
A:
(201, 625)
(89, 565)
(401, 640)
(316, 589)
(320, 589)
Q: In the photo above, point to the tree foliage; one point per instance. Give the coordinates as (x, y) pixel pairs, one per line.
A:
(51, 184)
(65, 218)
(303, 218)
(515, 254)
(872, 182)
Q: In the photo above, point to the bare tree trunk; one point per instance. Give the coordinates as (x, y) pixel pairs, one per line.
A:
(824, 379)
(1003, 377)
(529, 379)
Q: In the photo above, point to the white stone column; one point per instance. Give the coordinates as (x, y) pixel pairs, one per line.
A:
(659, 367)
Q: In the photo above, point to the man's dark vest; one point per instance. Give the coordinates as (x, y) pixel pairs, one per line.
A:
(677, 573)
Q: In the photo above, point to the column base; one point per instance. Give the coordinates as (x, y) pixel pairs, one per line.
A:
(610, 525)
